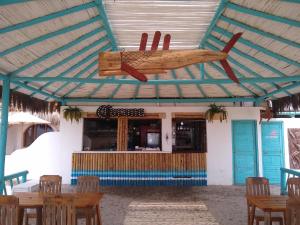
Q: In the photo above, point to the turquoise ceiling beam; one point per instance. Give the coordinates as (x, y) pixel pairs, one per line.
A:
(56, 51)
(160, 82)
(116, 89)
(227, 92)
(288, 87)
(94, 73)
(202, 70)
(260, 32)
(160, 100)
(69, 58)
(192, 76)
(48, 36)
(264, 15)
(79, 74)
(156, 87)
(239, 65)
(179, 91)
(47, 17)
(292, 1)
(220, 70)
(214, 21)
(257, 47)
(248, 57)
(137, 91)
(79, 64)
(105, 21)
(10, 2)
(98, 88)
(36, 90)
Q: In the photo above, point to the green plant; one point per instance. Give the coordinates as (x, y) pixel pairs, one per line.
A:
(72, 113)
(216, 110)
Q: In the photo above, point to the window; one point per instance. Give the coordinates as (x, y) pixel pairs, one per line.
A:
(189, 135)
(34, 131)
(100, 134)
(144, 134)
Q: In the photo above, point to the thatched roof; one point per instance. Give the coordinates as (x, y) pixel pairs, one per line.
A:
(46, 43)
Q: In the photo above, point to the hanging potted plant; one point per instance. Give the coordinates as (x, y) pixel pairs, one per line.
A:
(73, 113)
(216, 112)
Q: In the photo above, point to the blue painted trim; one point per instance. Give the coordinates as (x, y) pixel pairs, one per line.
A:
(47, 17)
(202, 71)
(154, 82)
(156, 87)
(58, 50)
(36, 90)
(270, 94)
(179, 92)
(192, 76)
(105, 20)
(14, 179)
(214, 21)
(260, 32)
(48, 36)
(225, 75)
(161, 100)
(264, 15)
(4, 127)
(256, 47)
(292, 1)
(136, 92)
(283, 178)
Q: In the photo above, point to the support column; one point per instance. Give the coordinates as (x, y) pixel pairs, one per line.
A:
(4, 126)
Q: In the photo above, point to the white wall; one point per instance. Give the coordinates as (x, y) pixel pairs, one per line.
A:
(52, 152)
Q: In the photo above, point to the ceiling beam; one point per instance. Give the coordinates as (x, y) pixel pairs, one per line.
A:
(263, 15)
(288, 87)
(56, 51)
(11, 2)
(48, 36)
(260, 32)
(179, 91)
(215, 19)
(36, 90)
(112, 95)
(48, 17)
(257, 47)
(192, 76)
(154, 82)
(226, 91)
(105, 21)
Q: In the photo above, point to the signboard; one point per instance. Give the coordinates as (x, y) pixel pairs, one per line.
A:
(107, 111)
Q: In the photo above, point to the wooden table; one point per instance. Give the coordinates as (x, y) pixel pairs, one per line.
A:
(35, 200)
(268, 204)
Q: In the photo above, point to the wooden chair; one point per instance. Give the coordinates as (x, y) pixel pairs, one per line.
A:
(50, 184)
(293, 211)
(88, 184)
(258, 186)
(294, 187)
(59, 210)
(9, 209)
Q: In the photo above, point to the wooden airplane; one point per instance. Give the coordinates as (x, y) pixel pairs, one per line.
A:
(139, 63)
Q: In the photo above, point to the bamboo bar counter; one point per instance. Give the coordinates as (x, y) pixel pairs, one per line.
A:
(141, 168)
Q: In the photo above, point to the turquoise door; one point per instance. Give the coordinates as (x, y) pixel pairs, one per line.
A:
(244, 150)
(272, 150)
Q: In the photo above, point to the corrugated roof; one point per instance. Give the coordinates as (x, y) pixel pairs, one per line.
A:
(57, 43)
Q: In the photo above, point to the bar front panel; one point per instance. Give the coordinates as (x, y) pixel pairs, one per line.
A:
(142, 169)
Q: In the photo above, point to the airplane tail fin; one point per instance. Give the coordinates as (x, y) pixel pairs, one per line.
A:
(225, 63)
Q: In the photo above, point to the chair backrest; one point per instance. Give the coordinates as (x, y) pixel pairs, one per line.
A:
(293, 211)
(87, 184)
(50, 184)
(257, 186)
(59, 210)
(9, 210)
(294, 187)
